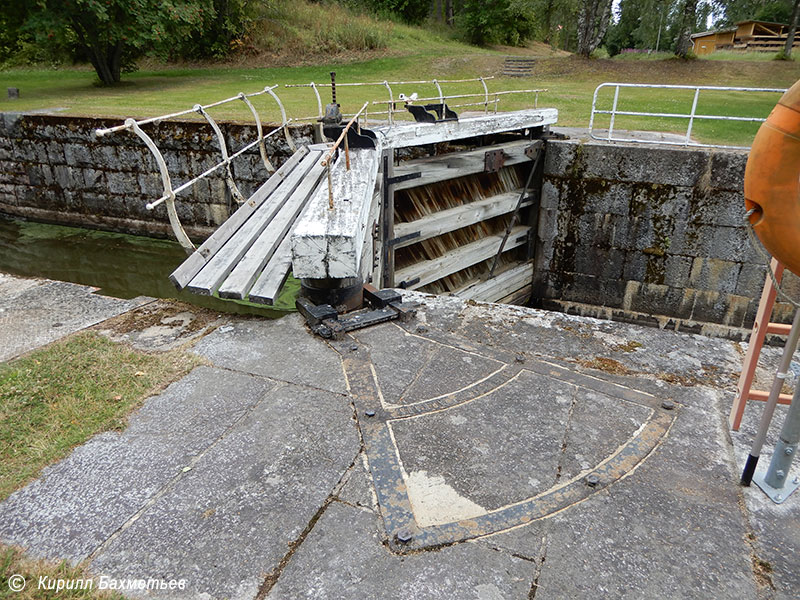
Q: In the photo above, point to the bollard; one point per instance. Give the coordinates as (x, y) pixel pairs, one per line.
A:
(776, 482)
(13, 93)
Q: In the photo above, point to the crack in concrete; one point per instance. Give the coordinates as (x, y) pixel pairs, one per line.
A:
(539, 566)
(272, 577)
(167, 487)
(567, 426)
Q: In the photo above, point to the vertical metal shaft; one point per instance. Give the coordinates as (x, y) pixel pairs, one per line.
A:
(333, 87)
(786, 447)
(772, 400)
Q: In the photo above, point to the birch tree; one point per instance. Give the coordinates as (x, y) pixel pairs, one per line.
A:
(593, 20)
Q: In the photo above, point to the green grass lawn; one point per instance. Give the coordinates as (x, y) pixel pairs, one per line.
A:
(59, 396)
(570, 82)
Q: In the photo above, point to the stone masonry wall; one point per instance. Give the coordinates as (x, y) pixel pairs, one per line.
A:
(54, 168)
(651, 234)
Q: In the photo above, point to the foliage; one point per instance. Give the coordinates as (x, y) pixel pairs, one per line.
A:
(412, 12)
(111, 34)
(59, 396)
(304, 28)
(502, 21)
(221, 32)
(733, 11)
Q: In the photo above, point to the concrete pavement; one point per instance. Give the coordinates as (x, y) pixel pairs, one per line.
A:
(289, 467)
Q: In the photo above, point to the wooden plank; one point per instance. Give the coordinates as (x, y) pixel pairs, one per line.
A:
(329, 242)
(241, 279)
(520, 297)
(417, 134)
(225, 260)
(181, 276)
(432, 270)
(268, 286)
(457, 164)
(502, 285)
(458, 217)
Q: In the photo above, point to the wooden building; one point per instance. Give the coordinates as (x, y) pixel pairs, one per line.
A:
(747, 36)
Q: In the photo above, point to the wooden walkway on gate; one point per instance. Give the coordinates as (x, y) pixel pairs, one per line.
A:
(761, 328)
(250, 255)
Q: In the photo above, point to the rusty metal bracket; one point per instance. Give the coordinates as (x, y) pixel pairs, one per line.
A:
(494, 160)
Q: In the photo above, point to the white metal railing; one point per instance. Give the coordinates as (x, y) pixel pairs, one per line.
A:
(391, 100)
(169, 192)
(692, 115)
(168, 196)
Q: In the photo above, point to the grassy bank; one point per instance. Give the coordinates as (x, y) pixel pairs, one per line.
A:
(570, 82)
(58, 397)
(14, 563)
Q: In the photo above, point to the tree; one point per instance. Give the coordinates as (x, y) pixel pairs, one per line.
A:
(500, 21)
(113, 33)
(688, 23)
(593, 20)
(787, 49)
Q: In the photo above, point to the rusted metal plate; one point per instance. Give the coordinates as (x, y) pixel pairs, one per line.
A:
(494, 160)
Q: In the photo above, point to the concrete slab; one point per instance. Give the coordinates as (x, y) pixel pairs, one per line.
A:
(322, 568)
(34, 313)
(776, 527)
(671, 528)
(249, 479)
(230, 520)
(281, 349)
(78, 503)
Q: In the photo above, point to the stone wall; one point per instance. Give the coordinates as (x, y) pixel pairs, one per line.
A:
(54, 168)
(649, 234)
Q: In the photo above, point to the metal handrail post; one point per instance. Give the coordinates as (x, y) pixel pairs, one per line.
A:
(613, 112)
(691, 117)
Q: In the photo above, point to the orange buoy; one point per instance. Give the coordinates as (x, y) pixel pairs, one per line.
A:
(772, 181)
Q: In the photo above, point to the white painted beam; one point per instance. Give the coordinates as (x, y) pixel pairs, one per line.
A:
(502, 285)
(455, 218)
(457, 164)
(328, 243)
(429, 271)
(417, 134)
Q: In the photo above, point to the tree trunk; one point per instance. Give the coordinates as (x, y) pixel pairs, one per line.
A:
(687, 23)
(592, 25)
(448, 12)
(787, 49)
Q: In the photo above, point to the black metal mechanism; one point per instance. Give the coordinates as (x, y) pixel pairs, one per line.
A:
(333, 124)
(325, 321)
(333, 114)
(422, 114)
(534, 152)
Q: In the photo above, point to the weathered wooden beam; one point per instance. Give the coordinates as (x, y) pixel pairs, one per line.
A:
(427, 271)
(267, 288)
(449, 166)
(227, 257)
(181, 276)
(456, 218)
(418, 134)
(502, 285)
(238, 283)
(328, 242)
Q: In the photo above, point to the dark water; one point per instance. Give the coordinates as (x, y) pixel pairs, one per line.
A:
(124, 266)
